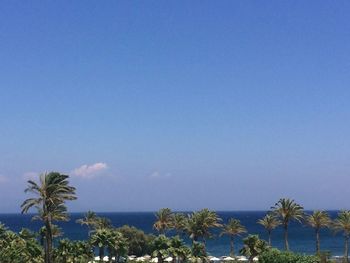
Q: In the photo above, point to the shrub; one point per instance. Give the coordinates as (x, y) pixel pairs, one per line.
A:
(276, 256)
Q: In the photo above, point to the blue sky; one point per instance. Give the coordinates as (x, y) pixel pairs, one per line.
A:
(183, 104)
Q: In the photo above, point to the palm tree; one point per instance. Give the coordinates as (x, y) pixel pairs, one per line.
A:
(64, 250)
(52, 191)
(90, 220)
(342, 224)
(253, 247)
(179, 222)
(287, 210)
(232, 229)
(164, 220)
(317, 220)
(200, 224)
(118, 246)
(161, 246)
(269, 222)
(102, 238)
(178, 250)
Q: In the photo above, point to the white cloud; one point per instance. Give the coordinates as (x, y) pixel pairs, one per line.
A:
(88, 171)
(157, 174)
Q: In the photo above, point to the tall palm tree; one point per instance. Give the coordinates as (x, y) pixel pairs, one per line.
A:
(233, 228)
(51, 193)
(317, 220)
(164, 220)
(200, 224)
(287, 210)
(342, 224)
(269, 222)
(89, 220)
(179, 222)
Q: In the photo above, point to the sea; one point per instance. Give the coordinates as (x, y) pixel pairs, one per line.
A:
(301, 237)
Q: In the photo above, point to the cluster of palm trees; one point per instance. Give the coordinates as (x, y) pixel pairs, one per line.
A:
(198, 225)
(53, 190)
(104, 236)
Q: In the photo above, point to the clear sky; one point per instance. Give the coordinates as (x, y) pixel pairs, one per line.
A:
(182, 104)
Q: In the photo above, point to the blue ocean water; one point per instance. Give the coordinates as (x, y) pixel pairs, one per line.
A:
(301, 238)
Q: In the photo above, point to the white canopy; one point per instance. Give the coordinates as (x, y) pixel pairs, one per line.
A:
(228, 259)
(214, 259)
(154, 260)
(168, 259)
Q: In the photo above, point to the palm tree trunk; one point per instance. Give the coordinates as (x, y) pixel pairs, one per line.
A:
(317, 240)
(205, 246)
(160, 258)
(286, 245)
(346, 252)
(232, 250)
(101, 253)
(269, 233)
(48, 243)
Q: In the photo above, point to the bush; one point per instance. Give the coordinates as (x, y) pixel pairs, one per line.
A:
(139, 243)
(276, 256)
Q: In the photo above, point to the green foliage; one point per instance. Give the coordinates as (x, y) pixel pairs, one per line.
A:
(50, 195)
(233, 228)
(287, 210)
(179, 249)
(198, 250)
(73, 251)
(118, 245)
(276, 256)
(179, 222)
(200, 224)
(253, 247)
(161, 245)
(21, 247)
(139, 243)
(164, 220)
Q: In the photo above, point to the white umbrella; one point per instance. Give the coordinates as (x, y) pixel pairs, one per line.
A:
(154, 260)
(228, 259)
(168, 259)
(256, 259)
(242, 258)
(140, 259)
(105, 258)
(214, 259)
